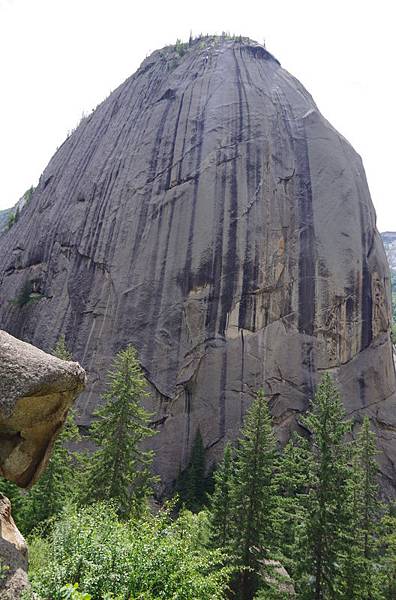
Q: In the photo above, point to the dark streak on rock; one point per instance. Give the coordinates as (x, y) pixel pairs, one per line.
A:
(367, 300)
(222, 393)
(306, 260)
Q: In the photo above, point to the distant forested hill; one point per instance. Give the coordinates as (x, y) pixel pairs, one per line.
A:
(389, 239)
(4, 218)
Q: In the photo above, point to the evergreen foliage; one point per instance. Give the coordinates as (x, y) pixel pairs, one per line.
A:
(360, 578)
(191, 485)
(61, 350)
(244, 527)
(387, 541)
(313, 508)
(220, 512)
(253, 495)
(120, 469)
(13, 217)
(326, 520)
(294, 480)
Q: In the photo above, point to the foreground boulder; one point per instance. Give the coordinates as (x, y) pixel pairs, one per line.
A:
(36, 392)
(208, 214)
(13, 555)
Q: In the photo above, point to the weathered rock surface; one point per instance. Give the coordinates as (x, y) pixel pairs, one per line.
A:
(36, 391)
(275, 574)
(207, 213)
(13, 555)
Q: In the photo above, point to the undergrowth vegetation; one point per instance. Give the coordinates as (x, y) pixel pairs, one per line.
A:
(311, 508)
(151, 558)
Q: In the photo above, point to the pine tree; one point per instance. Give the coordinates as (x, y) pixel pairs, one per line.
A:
(61, 350)
(293, 483)
(360, 575)
(253, 496)
(57, 485)
(120, 469)
(191, 484)
(387, 561)
(366, 453)
(220, 510)
(327, 517)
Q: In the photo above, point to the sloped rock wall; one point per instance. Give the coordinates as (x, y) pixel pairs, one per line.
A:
(209, 215)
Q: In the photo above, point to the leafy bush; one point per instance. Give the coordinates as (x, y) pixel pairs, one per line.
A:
(151, 559)
(70, 592)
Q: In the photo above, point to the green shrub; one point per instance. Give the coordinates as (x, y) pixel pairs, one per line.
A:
(12, 218)
(26, 295)
(28, 194)
(70, 592)
(149, 559)
(181, 47)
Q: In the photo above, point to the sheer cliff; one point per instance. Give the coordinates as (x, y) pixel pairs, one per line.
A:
(208, 214)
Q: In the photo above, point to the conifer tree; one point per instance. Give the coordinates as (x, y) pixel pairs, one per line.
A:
(57, 484)
(327, 517)
(220, 511)
(387, 561)
(293, 483)
(360, 576)
(253, 496)
(120, 469)
(61, 350)
(191, 484)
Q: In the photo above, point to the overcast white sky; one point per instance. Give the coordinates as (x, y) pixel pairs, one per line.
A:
(60, 58)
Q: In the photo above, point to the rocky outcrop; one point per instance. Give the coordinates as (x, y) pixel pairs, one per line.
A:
(209, 215)
(36, 392)
(13, 555)
(275, 574)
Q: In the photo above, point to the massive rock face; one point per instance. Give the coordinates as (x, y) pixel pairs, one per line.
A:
(36, 392)
(209, 215)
